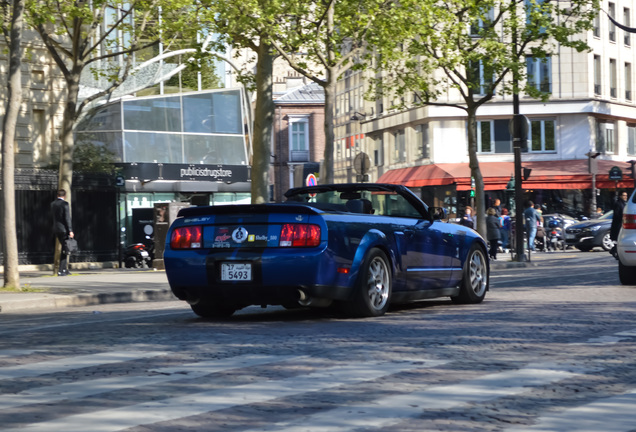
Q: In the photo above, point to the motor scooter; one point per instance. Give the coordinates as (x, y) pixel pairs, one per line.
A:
(555, 236)
(137, 256)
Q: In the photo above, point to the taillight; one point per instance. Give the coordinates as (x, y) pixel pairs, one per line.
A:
(188, 237)
(299, 235)
(629, 221)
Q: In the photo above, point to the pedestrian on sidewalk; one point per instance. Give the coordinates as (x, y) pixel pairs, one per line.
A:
(493, 233)
(62, 228)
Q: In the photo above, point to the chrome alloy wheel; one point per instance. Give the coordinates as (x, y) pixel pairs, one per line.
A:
(378, 283)
(478, 273)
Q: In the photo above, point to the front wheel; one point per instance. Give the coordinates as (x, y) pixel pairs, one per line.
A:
(474, 284)
(373, 288)
(626, 274)
(607, 243)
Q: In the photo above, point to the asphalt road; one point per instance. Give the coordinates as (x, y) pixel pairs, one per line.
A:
(551, 349)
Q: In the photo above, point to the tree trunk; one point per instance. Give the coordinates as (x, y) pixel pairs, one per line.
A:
(475, 172)
(14, 87)
(330, 95)
(65, 180)
(263, 123)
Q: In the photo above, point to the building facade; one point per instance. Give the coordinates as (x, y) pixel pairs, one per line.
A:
(592, 109)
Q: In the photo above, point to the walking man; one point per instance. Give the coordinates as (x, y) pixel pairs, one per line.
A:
(62, 227)
(532, 219)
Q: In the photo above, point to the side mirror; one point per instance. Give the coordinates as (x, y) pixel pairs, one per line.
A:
(437, 213)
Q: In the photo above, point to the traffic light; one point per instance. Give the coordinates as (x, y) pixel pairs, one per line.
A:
(472, 187)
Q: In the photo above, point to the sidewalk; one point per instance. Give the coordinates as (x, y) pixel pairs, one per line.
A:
(95, 285)
(85, 287)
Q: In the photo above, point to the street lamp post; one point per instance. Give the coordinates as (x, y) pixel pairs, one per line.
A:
(593, 170)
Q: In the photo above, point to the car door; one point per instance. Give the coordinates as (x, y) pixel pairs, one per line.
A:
(430, 251)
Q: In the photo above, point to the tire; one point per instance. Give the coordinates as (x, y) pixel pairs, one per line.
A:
(626, 274)
(373, 290)
(474, 284)
(607, 243)
(211, 309)
(130, 262)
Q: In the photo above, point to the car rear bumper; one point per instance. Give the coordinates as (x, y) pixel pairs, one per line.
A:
(626, 248)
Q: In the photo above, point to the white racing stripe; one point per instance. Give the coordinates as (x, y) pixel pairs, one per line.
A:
(612, 414)
(214, 400)
(69, 363)
(388, 411)
(80, 389)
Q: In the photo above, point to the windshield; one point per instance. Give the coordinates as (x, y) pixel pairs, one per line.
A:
(383, 203)
(607, 215)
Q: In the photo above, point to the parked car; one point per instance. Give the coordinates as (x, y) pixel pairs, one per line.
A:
(360, 246)
(587, 235)
(626, 244)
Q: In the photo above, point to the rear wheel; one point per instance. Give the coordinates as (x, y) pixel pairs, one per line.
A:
(474, 284)
(373, 290)
(626, 274)
(211, 309)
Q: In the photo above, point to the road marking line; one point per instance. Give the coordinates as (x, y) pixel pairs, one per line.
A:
(391, 410)
(214, 400)
(69, 363)
(80, 389)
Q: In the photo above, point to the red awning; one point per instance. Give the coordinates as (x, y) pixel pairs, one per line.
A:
(562, 174)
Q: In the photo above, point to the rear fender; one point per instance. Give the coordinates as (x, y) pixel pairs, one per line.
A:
(372, 239)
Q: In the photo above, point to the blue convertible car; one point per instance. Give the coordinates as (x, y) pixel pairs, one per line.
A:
(361, 247)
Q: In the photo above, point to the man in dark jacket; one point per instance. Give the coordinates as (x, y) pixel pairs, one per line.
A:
(617, 220)
(62, 227)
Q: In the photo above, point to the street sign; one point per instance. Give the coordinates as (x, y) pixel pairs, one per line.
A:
(311, 180)
(362, 163)
(615, 173)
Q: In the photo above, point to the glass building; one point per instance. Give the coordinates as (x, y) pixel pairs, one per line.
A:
(185, 147)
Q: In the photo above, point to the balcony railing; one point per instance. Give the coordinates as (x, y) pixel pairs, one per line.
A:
(299, 156)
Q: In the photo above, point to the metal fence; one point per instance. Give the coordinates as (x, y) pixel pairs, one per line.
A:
(94, 201)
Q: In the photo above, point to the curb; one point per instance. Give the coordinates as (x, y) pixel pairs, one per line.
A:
(33, 301)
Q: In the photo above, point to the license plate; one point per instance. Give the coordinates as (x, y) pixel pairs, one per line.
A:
(569, 236)
(236, 271)
(144, 254)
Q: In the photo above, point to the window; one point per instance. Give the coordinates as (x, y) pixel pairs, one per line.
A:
(627, 23)
(597, 26)
(399, 146)
(482, 22)
(605, 141)
(631, 139)
(542, 136)
(378, 151)
(41, 150)
(540, 73)
(481, 78)
(611, 11)
(298, 138)
(628, 81)
(421, 138)
(485, 135)
(612, 66)
(597, 75)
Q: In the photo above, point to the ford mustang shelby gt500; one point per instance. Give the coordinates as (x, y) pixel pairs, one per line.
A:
(359, 246)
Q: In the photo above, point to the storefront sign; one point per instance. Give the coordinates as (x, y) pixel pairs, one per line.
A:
(157, 171)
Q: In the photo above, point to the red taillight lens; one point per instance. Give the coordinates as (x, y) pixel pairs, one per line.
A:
(629, 221)
(186, 238)
(299, 235)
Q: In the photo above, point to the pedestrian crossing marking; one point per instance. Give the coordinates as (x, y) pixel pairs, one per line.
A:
(388, 411)
(612, 414)
(70, 363)
(80, 389)
(214, 400)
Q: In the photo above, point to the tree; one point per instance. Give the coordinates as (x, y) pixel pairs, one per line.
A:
(250, 24)
(77, 39)
(320, 40)
(472, 50)
(13, 17)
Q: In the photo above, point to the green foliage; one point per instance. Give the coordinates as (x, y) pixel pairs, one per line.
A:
(430, 47)
(94, 158)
